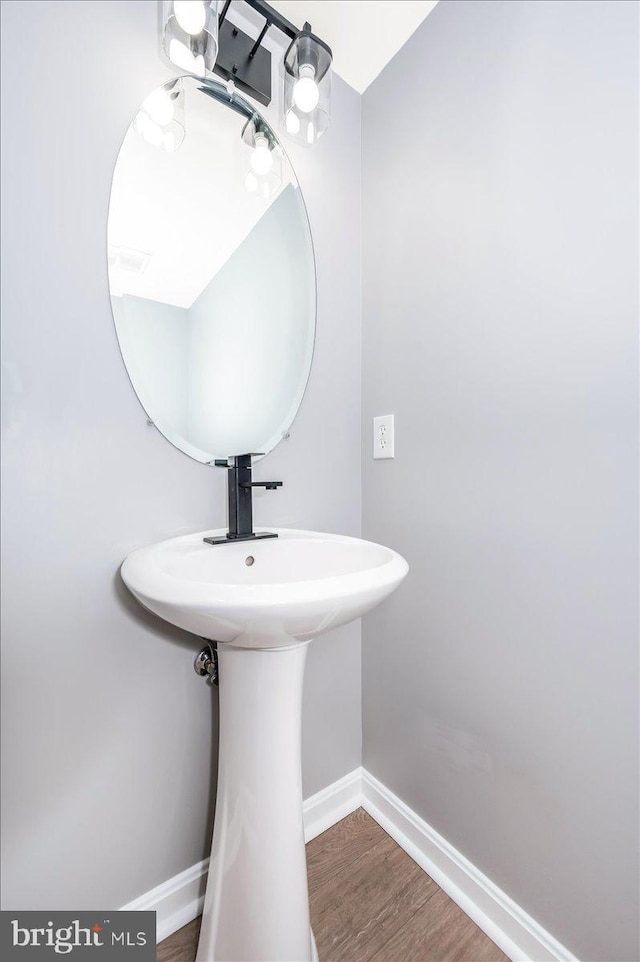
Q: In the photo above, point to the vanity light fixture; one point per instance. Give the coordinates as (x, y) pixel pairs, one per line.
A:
(160, 120)
(190, 34)
(307, 87)
(197, 40)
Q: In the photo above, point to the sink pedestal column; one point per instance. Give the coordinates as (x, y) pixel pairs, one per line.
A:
(257, 906)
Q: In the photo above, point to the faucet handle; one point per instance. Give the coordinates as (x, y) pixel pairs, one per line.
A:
(269, 485)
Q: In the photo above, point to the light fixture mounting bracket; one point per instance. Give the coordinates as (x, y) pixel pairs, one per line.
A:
(252, 75)
(242, 58)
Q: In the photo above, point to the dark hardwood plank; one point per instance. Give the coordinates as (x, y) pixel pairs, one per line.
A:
(355, 914)
(333, 852)
(439, 932)
(182, 945)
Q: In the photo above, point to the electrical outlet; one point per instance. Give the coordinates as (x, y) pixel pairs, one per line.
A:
(383, 431)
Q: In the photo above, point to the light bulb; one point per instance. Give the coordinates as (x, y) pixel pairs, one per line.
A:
(148, 129)
(159, 107)
(310, 133)
(182, 57)
(191, 15)
(261, 159)
(153, 133)
(293, 122)
(305, 92)
(251, 182)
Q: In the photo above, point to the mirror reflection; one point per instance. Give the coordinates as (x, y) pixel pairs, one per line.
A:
(211, 271)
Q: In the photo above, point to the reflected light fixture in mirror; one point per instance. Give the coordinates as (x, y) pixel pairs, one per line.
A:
(161, 119)
(190, 34)
(264, 173)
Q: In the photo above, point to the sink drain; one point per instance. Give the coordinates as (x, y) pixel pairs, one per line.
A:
(249, 560)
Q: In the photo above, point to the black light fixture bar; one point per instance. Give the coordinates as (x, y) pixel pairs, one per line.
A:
(243, 59)
(274, 18)
(227, 4)
(258, 42)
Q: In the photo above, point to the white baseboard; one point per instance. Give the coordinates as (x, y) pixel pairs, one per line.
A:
(511, 928)
(333, 803)
(177, 901)
(180, 899)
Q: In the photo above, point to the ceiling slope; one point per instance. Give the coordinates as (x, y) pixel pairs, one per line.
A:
(363, 34)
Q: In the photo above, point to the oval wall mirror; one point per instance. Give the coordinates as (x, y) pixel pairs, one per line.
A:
(211, 271)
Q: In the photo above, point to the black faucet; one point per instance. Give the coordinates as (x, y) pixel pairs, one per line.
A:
(241, 501)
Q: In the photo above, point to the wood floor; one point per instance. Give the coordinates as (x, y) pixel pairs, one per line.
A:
(370, 902)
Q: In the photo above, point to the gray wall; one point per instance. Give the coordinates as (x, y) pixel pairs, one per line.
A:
(500, 299)
(500, 274)
(107, 731)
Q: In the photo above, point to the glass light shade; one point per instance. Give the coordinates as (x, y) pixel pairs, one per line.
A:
(190, 34)
(307, 88)
(263, 161)
(160, 120)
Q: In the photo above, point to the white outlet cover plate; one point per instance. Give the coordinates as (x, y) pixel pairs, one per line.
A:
(383, 437)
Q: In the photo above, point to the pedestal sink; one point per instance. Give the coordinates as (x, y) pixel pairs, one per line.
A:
(263, 602)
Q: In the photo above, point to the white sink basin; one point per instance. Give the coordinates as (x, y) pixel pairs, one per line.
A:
(263, 594)
(263, 601)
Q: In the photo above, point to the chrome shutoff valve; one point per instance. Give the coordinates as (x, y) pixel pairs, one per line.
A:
(206, 664)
